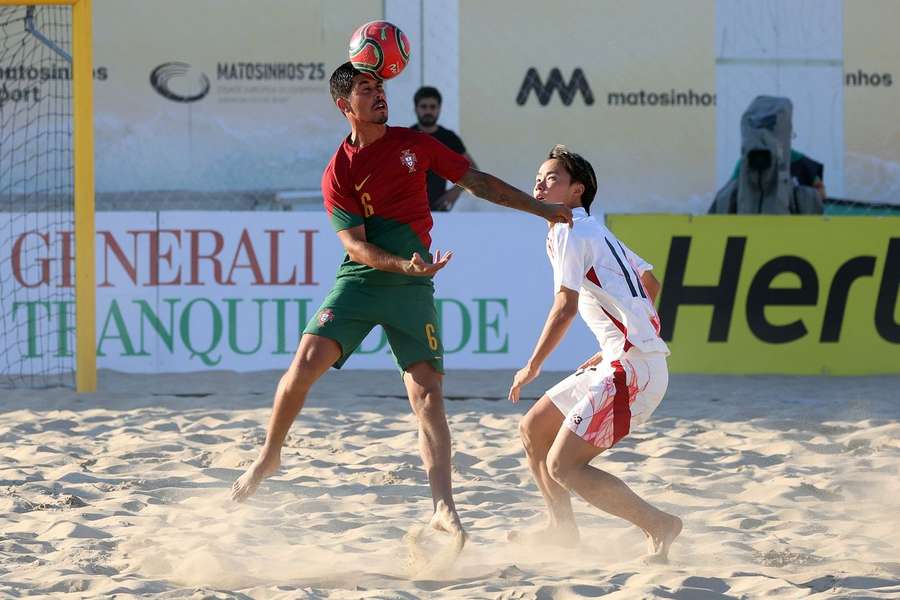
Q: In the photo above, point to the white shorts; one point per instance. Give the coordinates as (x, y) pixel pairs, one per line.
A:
(602, 403)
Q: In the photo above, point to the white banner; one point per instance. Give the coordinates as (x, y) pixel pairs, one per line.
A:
(211, 96)
(193, 291)
(213, 101)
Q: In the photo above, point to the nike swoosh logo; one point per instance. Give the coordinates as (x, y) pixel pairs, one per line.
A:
(359, 187)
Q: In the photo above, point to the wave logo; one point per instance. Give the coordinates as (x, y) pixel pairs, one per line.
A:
(555, 83)
(179, 82)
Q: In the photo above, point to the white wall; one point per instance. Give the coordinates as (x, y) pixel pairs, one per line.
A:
(433, 30)
(793, 49)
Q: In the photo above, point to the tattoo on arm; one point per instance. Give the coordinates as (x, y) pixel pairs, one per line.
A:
(493, 189)
(473, 182)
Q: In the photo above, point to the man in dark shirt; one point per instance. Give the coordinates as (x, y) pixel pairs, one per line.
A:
(427, 101)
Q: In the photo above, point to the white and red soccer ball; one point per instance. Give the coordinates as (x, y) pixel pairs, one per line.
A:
(380, 49)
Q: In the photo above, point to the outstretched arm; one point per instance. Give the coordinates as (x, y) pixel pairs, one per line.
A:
(449, 198)
(365, 253)
(565, 307)
(493, 189)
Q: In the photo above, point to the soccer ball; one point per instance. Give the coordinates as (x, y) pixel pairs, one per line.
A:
(380, 49)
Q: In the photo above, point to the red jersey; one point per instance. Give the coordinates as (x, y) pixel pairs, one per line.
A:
(383, 187)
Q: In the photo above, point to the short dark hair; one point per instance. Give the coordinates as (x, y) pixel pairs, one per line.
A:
(426, 91)
(341, 82)
(580, 170)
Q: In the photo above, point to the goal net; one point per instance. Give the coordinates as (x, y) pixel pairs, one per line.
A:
(37, 212)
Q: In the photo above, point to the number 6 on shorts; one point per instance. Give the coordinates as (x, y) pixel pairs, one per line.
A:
(432, 340)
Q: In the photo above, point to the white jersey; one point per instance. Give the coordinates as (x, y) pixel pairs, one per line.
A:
(592, 261)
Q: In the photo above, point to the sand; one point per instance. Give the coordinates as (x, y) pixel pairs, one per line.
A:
(788, 487)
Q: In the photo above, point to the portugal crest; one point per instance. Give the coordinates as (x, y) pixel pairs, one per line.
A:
(409, 160)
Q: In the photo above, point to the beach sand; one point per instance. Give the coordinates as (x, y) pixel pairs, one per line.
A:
(789, 487)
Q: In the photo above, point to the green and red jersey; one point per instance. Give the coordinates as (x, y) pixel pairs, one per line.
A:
(383, 187)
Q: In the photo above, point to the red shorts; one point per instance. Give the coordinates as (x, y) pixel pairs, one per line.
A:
(602, 403)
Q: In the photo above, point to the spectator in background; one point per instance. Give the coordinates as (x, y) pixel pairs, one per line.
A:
(427, 101)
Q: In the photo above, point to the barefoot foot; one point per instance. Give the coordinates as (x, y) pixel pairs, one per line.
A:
(246, 484)
(661, 539)
(446, 520)
(428, 558)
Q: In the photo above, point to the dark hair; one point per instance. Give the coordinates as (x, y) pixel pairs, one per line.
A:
(426, 91)
(579, 170)
(341, 82)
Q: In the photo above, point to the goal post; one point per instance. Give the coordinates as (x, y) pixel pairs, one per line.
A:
(82, 175)
(83, 157)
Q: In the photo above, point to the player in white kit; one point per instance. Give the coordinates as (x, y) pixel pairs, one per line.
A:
(597, 276)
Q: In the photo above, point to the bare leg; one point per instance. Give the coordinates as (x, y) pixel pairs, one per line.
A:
(538, 429)
(424, 386)
(568, 462)
(314, 356)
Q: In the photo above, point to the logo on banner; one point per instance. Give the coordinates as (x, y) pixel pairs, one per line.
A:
(409, 160)
(555, 83)
(179, 82)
